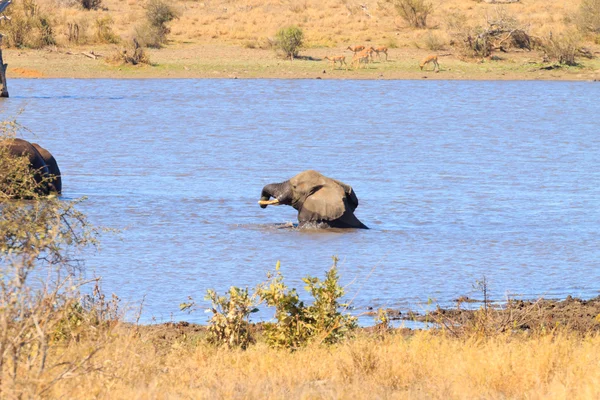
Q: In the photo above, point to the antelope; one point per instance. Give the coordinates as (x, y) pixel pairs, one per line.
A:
(370, 50)
(356, 49)
(361, 58)
(335, 59)
(381, 49)
(431, 59)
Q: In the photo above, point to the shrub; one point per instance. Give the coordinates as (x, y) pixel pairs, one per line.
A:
(588, 17)
(563, 47)
(414, 12)
(501, 31)
(158, 15)
(297, 324)
(149, 36)
(433, 42)
(28, 26)
(230, 323)
(90, 4)
(289, 40)
(132, 55)
(104, 32)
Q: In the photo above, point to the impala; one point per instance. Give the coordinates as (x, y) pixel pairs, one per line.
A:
(370, 50)
(381, 49)
(337, 59)
(356, 49)
(431, 59)
(361, 58)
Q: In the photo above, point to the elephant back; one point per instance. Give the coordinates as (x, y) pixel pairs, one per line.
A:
(52, 166)
(22, 148)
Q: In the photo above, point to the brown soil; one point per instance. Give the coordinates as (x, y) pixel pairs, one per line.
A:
(26, 73)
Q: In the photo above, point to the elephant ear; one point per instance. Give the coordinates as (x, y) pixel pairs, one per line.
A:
(325, 204)
(351, 199)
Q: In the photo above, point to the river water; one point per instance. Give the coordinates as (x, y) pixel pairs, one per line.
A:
(457, 180)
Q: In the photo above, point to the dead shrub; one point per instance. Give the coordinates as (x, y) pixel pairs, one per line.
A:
(501, 32)
(133, 55)
(104, 32)
(588, 17)
(155, 30)
(563, 47)
(414, 12)
(434, 42)
(149, 36)
(28, 26)
(90, 4)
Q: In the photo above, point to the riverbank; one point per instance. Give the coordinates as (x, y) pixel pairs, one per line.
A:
(231, 61)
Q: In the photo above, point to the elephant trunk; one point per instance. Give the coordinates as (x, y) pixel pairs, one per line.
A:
(281, 192)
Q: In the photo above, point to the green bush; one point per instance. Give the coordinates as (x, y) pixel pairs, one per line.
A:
(297, 324)
(289, 40)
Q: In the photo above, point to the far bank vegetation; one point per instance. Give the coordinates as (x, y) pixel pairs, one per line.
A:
(563, 31)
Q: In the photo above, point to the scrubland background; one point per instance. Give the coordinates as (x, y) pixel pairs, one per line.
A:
(224, 30)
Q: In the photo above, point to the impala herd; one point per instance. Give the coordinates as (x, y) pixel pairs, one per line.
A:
(364, 55)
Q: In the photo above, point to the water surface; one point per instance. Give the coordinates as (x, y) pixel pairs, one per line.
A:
(458, 180)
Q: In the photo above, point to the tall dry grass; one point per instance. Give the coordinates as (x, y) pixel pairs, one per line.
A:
(142, 364)
(328, 23)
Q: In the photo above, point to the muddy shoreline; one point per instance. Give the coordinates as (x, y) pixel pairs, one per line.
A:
(519, 316)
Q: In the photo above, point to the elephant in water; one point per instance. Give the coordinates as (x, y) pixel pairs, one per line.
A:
(318, 199)
(41, 161)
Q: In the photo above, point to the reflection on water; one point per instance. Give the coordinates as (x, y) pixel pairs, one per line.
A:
(457, 180)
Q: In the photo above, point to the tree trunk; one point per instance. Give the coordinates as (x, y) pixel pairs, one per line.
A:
(4, 89)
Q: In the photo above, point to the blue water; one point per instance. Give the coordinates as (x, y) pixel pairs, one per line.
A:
(458, 180)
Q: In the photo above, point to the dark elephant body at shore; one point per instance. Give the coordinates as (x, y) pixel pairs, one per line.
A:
(319, 200)
(41, 161)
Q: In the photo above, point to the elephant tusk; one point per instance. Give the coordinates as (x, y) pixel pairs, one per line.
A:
(268, 202)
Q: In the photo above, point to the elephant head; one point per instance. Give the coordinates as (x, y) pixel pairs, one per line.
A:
(317, 198)
(41, 162)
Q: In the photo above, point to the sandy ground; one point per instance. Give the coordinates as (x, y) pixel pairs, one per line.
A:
(228, 61)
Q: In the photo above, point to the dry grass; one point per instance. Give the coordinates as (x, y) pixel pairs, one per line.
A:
(328, 23)
(149, 363)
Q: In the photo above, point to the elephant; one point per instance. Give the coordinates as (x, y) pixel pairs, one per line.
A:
(319, 200)
(41, 161)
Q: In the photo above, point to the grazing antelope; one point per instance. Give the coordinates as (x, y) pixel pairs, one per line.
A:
(356, 49)
(431, 59)
(381, 49)
(370, 50)
(361, 58)
(335, 59)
